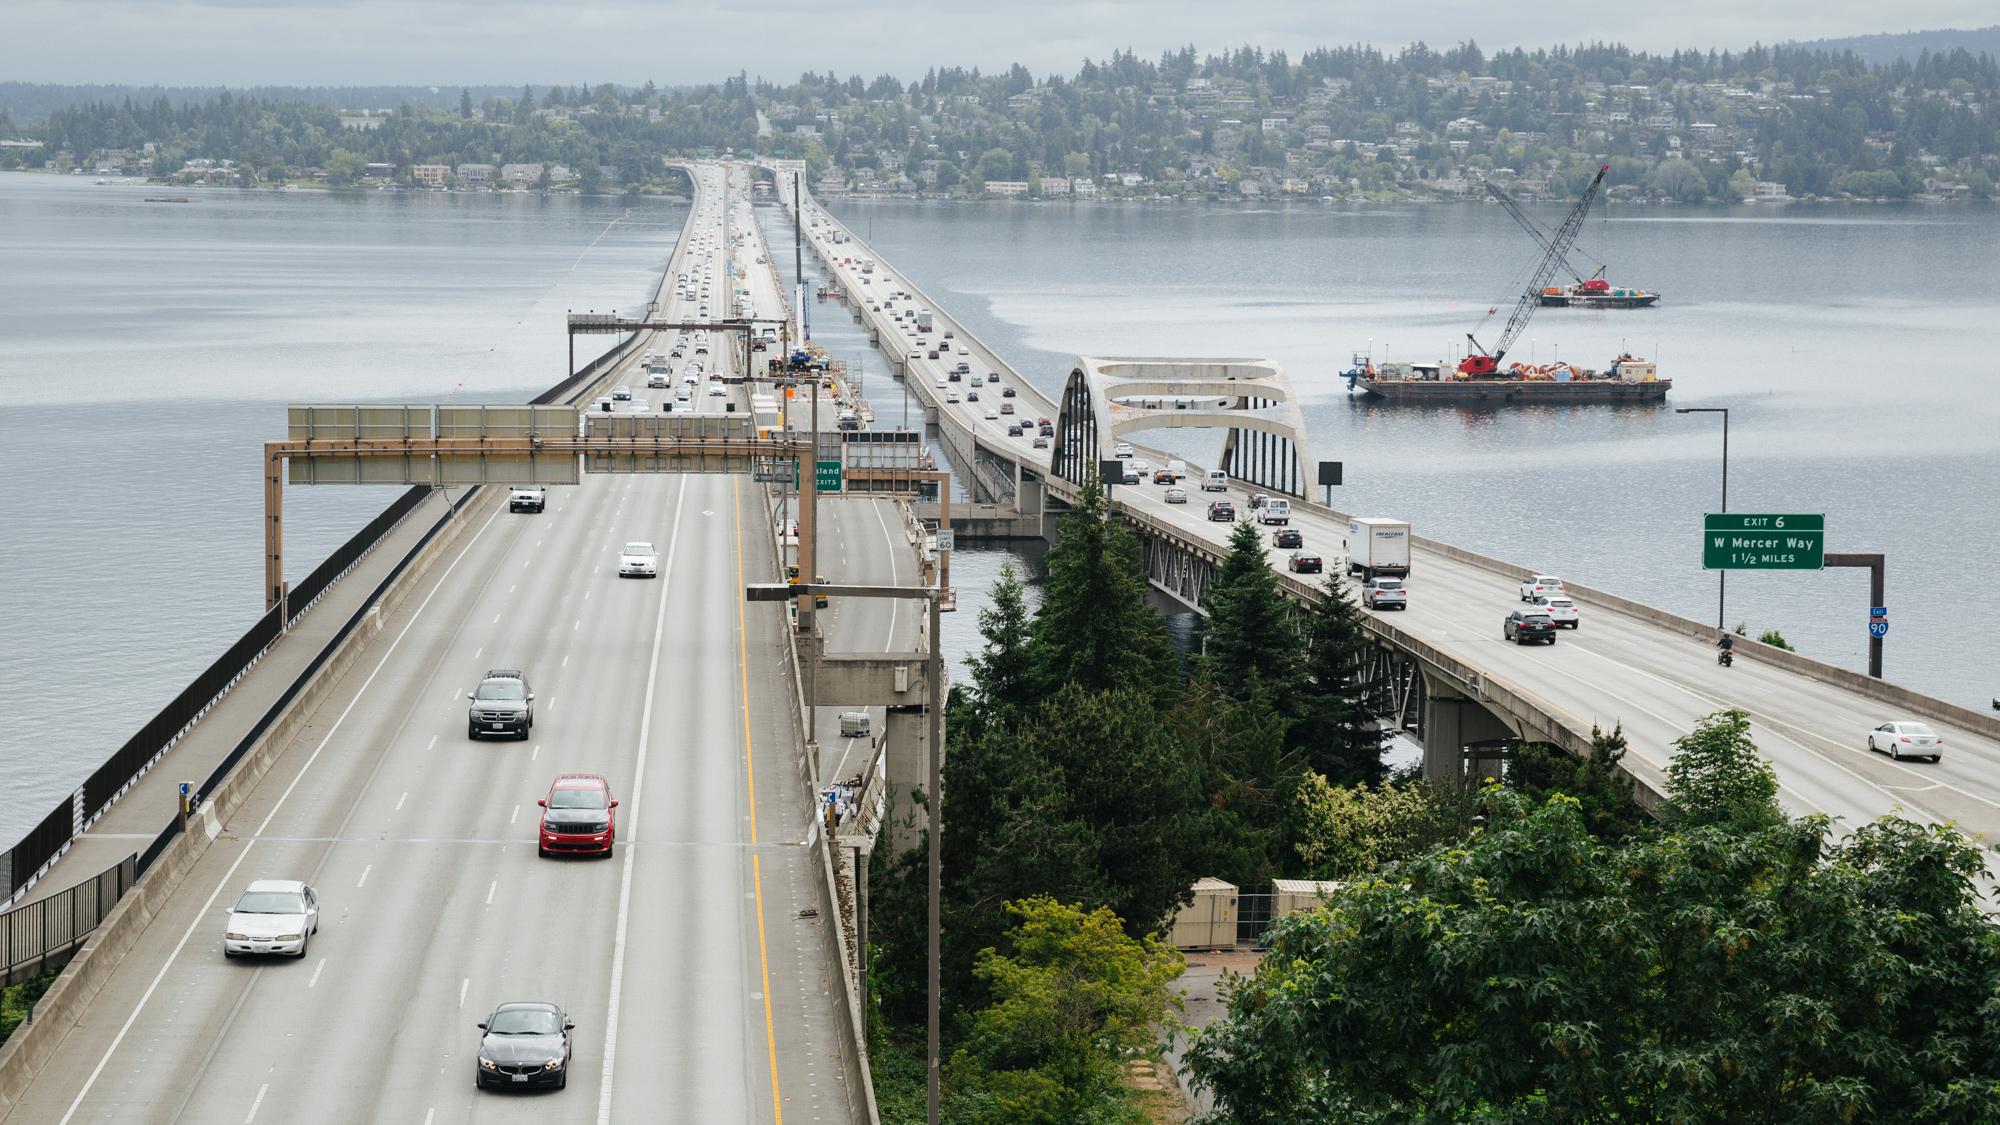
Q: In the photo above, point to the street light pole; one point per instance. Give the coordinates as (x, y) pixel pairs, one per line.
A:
(1721, 576)
(934, 808)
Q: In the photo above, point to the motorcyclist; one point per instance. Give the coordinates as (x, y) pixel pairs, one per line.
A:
(1725, 646)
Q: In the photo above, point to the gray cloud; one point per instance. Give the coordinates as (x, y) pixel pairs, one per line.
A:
(340, 42)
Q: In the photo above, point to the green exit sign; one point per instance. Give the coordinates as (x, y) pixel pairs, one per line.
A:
(1763, 541)
(828, 476)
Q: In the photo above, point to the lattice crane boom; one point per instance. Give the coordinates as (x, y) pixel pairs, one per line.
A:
(1482, 363)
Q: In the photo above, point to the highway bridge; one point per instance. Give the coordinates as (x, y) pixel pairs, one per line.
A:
(1457, 685)
(702, 961)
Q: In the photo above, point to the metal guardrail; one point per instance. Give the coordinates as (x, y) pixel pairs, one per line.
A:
(33, 935)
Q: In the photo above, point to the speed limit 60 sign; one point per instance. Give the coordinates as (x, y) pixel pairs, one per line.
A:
(1763, 541)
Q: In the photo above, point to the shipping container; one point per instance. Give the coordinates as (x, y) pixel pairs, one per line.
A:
(1209, 922)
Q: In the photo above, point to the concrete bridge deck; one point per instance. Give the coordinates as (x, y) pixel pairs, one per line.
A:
(699, 991)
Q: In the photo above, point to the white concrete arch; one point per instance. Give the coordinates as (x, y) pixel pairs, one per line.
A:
(1106, 398)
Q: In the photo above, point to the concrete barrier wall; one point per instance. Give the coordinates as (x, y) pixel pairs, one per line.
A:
(63, 1006)
(848, 1019)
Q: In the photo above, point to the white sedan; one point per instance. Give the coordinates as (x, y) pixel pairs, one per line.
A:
(638, 560)
(717, 390)
(273, 916)
(1906, 740)
(1561, 609)
(993, 416)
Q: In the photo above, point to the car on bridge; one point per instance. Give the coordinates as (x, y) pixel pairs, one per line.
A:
(1006, 392)
(273, 916)
(1122, 449)
(638, 560)
(1014, 430)
(1385, 593)
(1526, 626)
(1164, 476)
(1905, 739)
(951, 396)
(1042, 440)
(1006, 408)
(972, 396)
(1561, 609)
(503, 703)
(579, 816)
(1176, 495)
(1288, 537)
(994, 416)
(621, 394)
(932, 354)
(1541, 585)
(1304, 562)
(1222, 511)
(527, 498)
(524, 1045)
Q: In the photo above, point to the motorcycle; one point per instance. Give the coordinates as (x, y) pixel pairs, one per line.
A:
(1724, 658)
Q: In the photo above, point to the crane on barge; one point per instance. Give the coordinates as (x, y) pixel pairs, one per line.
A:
(1480, 363)
(1591, 292)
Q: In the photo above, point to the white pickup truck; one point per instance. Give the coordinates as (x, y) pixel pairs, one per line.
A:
(527, 498)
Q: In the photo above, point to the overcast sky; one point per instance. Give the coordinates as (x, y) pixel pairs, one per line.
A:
(442, 42)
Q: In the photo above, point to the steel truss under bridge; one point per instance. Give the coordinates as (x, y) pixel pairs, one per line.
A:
(1107, 398)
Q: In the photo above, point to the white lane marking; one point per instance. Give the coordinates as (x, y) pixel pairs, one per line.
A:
(490, 888)
(400, 800)
(586, 595)
(202, 914)
(434, 742)
(364, 876)
(511, 589)
(496, 621)
(565, 662)
(578, 625)
(516, 816)
(316, 971)
(537, 753)
(632, 822)
(252, 1115)
(429, 1115)
(467, 983)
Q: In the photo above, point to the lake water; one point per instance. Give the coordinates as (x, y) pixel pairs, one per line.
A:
(150, 349)
(1848, 342)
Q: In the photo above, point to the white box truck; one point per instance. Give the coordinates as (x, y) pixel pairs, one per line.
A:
(1377, 546)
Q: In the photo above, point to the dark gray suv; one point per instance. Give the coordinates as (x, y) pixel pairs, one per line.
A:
(501, 704)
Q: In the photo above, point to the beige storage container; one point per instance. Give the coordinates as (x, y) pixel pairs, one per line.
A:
(1289, 896)
(1209, 922)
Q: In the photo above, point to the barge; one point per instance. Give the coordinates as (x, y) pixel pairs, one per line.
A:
(1628, 380)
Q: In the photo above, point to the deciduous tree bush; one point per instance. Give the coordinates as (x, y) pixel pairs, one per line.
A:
(1539, 973)
(1074, 997)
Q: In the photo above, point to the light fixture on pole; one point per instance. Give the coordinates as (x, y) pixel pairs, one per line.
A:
(1721, 576)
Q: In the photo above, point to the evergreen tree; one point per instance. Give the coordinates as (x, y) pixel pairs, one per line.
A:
(1003, 673)
(1338, 729)
(1248, 777)
(1602, 790)
(1250, 631)
(465, 102)
(1095, 629)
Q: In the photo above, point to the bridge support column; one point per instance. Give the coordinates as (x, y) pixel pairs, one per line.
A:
(1451, 723)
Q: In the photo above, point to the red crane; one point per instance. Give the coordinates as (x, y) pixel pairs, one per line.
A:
(1481, 363)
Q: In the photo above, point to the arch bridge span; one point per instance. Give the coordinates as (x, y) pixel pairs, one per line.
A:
(1107, 398)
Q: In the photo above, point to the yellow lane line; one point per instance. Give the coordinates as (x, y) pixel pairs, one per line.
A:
(749, 766)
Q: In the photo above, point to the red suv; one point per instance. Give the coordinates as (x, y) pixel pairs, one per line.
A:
(579, 816)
